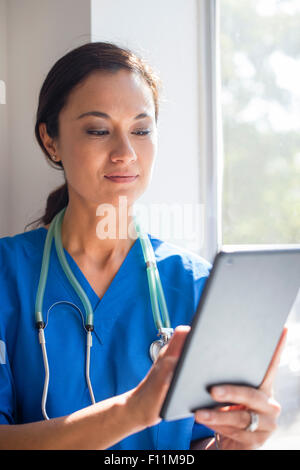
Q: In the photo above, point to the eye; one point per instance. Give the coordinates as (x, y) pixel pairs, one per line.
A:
(99, 133)
(142, 132)
(139, 132)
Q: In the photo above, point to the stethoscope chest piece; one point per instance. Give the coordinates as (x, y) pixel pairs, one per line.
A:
(155, 349)
(157, 345)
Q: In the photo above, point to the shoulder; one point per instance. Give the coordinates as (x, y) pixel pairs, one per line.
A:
(20, 255)
(179, 259)
(27, 244)
(27, 239)
(183, 274)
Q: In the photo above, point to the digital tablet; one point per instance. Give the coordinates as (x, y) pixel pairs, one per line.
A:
(239, 320)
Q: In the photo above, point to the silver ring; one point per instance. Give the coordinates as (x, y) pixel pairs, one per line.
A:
(253, 423)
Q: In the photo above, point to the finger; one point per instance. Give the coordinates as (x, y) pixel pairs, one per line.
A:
(254, 399)
(238, 419)
(268, 380)
(164, 366)
(232, 438)
(150, 393)
(174, 347)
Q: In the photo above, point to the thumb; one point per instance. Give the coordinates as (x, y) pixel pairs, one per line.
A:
(269, 378)
(167, 359)
(151, 391)
(174, 347)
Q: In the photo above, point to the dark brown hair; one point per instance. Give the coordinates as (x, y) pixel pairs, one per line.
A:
(68, 72)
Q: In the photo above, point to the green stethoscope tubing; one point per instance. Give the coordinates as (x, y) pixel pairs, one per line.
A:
(155, 288)
(55, 231)
(157, 298)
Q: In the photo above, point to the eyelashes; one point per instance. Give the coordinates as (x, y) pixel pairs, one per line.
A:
(102, 133)
(142, 132)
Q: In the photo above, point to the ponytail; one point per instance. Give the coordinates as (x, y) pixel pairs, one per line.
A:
(56, 201)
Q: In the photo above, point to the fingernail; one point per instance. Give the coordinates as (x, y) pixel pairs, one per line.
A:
(219, 392)
(203, 415)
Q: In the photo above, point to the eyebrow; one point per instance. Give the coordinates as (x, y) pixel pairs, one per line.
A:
(106, 116)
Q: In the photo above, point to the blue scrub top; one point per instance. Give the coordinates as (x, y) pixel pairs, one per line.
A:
(124, 330)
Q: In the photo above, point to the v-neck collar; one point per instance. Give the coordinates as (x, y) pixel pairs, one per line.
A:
(95, 300)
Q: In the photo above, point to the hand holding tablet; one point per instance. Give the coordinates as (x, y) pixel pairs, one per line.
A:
(255, 411)
(234, 345)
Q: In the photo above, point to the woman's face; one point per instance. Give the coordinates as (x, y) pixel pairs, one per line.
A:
(108, 127)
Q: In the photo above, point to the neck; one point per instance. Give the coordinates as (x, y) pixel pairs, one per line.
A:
(101, 238)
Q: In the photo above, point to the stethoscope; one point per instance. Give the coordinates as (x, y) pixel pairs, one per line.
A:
(156, 295)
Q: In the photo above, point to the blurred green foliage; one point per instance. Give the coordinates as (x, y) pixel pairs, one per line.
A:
(261, 186)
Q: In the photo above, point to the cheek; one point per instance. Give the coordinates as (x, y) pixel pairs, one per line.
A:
(81, 166)
(146, 153)
(152, 158)
(82, 155)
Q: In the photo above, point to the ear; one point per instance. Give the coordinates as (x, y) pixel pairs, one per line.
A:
(49, 142)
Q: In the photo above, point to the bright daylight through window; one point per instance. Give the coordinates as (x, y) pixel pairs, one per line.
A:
(260, 90)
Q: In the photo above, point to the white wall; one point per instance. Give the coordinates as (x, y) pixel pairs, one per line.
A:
(4, 200)
(39, 32)
(165, 33)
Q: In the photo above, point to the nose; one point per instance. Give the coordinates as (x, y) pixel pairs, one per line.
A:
(122, 150)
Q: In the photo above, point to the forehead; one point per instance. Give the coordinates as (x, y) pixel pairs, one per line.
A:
(116, 93)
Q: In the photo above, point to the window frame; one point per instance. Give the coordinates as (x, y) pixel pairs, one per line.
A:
(210, 126)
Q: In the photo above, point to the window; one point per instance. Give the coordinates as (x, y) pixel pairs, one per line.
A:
(260, 67)
(260, 98)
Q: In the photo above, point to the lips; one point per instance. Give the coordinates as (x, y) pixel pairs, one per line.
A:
(120, 175)
(121, 178)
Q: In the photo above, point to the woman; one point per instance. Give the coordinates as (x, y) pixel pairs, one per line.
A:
(96, 120)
